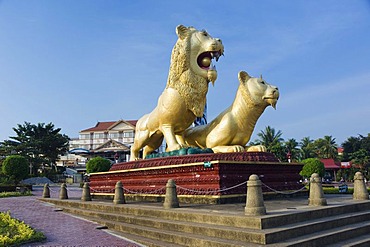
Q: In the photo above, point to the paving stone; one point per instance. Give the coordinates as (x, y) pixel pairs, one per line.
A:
(61, 229)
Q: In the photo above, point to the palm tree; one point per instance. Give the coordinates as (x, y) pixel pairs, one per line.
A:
(307, 148)
(291, 146)
(269, 138)
(327, 147)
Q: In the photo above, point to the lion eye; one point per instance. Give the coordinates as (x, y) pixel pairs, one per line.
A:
(262, 82)
(205, 33)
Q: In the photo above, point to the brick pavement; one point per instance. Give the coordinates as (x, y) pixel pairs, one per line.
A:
(61, 229)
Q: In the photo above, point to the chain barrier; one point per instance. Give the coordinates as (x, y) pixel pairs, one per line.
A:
(283, 192)
(213, 191)
(102, 191)
(54, 191)
(199, 191)
(151, 192)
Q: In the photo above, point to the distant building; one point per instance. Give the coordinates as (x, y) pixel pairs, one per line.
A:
(111, 140)
(331, 168)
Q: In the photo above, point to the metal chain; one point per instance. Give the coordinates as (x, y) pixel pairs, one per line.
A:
(151, 192)
(282, 192)
(213, 191)
(200, 191)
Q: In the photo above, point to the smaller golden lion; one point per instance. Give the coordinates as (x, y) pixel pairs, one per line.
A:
(231, 130)
(184, 97)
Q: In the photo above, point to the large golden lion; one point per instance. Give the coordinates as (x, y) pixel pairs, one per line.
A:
(184, 97)
(231, 130)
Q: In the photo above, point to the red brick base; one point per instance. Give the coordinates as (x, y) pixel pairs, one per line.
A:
(221, 174)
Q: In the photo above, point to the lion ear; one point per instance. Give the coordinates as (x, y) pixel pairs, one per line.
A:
(181, 31)
(243, 77)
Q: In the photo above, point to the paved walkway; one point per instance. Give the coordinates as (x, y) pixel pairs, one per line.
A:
(61, 229)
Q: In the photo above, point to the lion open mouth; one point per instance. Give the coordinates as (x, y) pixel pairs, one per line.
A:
(271, 100)
(205, 59)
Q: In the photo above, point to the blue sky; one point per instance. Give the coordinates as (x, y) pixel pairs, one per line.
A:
(74, 63)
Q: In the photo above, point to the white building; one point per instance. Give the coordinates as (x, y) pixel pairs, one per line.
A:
(111, 140)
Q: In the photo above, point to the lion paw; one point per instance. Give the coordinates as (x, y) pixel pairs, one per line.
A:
(257, 148)
(228, 149)
(173, 147)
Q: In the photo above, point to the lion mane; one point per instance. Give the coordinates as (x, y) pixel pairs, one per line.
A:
(192, 87)
(184, 97)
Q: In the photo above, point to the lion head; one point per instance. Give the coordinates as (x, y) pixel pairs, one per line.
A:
(191, 67)
(258, 91)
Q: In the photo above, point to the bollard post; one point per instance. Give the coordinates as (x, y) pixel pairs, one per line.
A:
(63, 192)
(119, 197)
(171, 201)
(255, 204)
(316, 197)
(359, 187)
(86, 192)
(46, 191)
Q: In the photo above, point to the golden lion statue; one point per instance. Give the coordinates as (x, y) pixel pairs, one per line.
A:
(184, 97)
(231, 130)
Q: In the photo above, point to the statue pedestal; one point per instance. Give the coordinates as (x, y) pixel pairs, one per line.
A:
(200, 178)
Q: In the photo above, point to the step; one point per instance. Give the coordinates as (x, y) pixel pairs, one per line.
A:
(180, 214)
(305, 226)
(237, 219)
(210, 230)
(167, 236)
(330, 236)
(361, 241)
(300, 214)
(279, 234)
(241, 234)
(146, 242)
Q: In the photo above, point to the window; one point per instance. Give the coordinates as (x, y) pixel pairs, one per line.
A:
(84, 136)
(128, 134)
(114, 135)
(98, 135)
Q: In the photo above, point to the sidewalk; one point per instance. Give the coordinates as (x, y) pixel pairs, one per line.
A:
(61, 229)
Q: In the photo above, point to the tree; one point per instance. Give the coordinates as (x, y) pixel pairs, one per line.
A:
(312, 165)
(269, 138)
(361, 158)
(355, 144)
(291, 145)
(15, 167)
(98, 164)
(40, 144)
(307, 148)
(326, 147)
(272, 141)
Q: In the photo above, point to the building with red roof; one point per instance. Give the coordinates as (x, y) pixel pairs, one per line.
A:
(331, 168)
(111, 140)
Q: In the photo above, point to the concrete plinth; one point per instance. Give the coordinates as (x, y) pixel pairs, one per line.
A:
(359, 187)
(171, 201)
(46, 191)
(316, 192)
(63, 192)
(119, 197)
(255, 204)
(86, 196)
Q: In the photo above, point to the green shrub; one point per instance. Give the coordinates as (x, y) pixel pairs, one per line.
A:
(14, 194)
(15, 167)
(312, 165)
(15, 232)
(98, 164)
